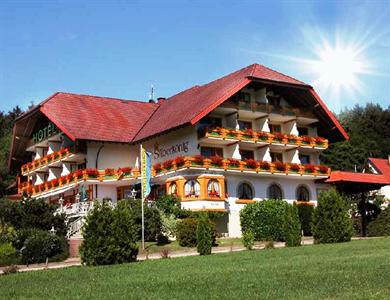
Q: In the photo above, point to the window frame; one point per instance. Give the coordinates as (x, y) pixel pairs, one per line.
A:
(274, 184)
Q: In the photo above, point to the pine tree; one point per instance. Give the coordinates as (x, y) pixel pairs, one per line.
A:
(331, 221)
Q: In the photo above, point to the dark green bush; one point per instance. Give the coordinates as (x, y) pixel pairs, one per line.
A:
(381, 225)
(204, 235)
(40, 245)
(305, 212)
(271, 220)
(32, 213)
(171, 205)
(248, 239)
(153, 223)
(331, 220)
(110, 235)
(186, 232)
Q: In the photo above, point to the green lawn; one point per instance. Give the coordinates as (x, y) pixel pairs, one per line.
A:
(354, 270)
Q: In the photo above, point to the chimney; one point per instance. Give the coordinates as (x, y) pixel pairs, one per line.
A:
(151, 101)
(161, 100)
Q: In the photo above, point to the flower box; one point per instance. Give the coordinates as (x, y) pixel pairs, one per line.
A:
(323, 169)
(78, 174)
(216, 161)
(280, 166)
(92, 173)
(309, 169)
(179, 161)
(319, 141)
(251, 164)
(109, 173)
(232, 134)
(55, 182)
(265, 165)
(233, 163)
(294, 168)
(158, 168)
(198, 160)
(216, 131)
(168, 164)
(278, 137)
(214, 194)
(292, 139)
(125, 170)
(306, 140)
(263, 136)
(248, 134)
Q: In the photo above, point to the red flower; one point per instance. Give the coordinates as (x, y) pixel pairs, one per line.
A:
(294, 167)
(292, 138)
(251, 163)
(280, 166)
(63, 179)
(265, 165)
(234, 162)
(309, 168)
(92, 172)
(199, 159)
(125, 169)
(179, 161)
(248, 132)
(216, 160)
(323, 169)
(55, 182)
(213, 194)
(306, 139)
(263, 135)
(278, 136)
(168, 164)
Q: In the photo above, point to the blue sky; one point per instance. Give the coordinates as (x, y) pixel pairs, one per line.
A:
(120, 48)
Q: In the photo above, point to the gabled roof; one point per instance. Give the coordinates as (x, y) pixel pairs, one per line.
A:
(117, 120)
(382, 166)
(97, 118)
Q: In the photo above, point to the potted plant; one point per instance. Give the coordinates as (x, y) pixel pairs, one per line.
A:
(125, 170)
(248, 134)
(168, 164)
(278, 137)
(198, 160)
(157, 167)
(216, 161)
(294, 168)
(292, 139)
(306, 140)
(265, 165)
(280, 166)
(263, 136)
(310, 168)
(78, 174)
(217, 131)
(232, 133)
(233, 163)
(110, 173)
(323, 169)
(92, 173)
(251, 164)
(319, 141)
(179, 161)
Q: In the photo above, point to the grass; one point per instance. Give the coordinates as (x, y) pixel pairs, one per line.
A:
(354, 270)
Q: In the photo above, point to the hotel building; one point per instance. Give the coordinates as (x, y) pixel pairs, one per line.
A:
(251, 135)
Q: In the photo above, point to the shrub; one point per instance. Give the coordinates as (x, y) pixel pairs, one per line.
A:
(305, 212)
(41, 245)
(248, 239)
(292, 227)
(110, 235)
(168, 224)
(170, 205)
(7, 254)
(381, 225)
(204, 236)
(7, 234)
(186, 232)
(162, 239)
(331, 221)
(271, 220)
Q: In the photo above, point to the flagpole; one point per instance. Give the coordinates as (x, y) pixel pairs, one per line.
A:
(142, 199)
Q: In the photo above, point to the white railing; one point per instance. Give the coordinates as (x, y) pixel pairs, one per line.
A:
(76, 209)
(75, 226)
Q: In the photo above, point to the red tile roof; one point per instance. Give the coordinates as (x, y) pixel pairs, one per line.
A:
(97, 118)
(382, 178)
(116, 120)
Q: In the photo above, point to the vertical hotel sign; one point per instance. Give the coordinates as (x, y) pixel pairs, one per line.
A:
(146, 167)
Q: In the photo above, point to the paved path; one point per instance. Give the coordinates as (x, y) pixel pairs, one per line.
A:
(75, 261)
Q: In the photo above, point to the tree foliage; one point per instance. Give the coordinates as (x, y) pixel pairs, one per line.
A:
(381, 225)
(369, 136)
(204, 236)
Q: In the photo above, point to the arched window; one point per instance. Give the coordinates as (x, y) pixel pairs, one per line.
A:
(172, 189)
(213, 189)
(192, 188)
(245, 191)
(275, 192)
(302, 193)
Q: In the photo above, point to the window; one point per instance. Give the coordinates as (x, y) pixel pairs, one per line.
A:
(303, 130)
(304, 158)
(241, 97)
(210, 151)
(247, 154)
(302, 193)
(210, 122)
(275, 192)
(275, 128)
(172, 190)
(213, 189)
(192, 188)
(245, 191)
(276, 156)
(244, 125)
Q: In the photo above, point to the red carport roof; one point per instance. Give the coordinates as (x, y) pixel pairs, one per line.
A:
(341, 176)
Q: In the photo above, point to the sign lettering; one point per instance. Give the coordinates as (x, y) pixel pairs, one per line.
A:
(161, 152)
(44, 133)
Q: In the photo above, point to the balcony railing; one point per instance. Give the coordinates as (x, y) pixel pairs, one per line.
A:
(46, 160)
(265, 137)
(269, 109)
(231, 164)
(77, 176)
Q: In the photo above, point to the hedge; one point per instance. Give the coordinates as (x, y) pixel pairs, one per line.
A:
(186, 232)
(381, 225)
